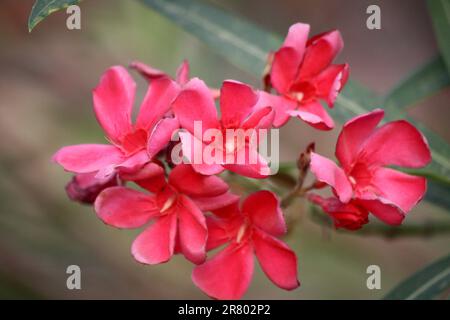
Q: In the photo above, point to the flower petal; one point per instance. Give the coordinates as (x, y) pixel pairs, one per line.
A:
(147, 71)
(263, 210)
(320, 52)
(236, 103)
(314, 114)
(156, 244)
(134, 162)
(216, 202)
(327, 171)
(249, 163)
(186, 180)
(84, 158)
(279, 104)
(193, 150)
(150, 177)
(85, 187)
(157, 102)
(277, 260)
(383, 210)
(331, 81)
(113, 102)
(345, 215)
(259, 119)
(228, 274)
(161, 135)
(123, 207)
(402, 189)
(353, 135)
(192, 231)
(396, 143)
(288, 58)
(183, 73)
(195, 103)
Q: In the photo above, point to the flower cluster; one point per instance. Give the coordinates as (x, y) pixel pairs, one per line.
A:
(187, 208)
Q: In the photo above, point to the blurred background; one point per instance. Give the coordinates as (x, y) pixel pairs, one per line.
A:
(45, 102)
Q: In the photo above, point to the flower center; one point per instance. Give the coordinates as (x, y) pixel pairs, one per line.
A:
(169, 203)
(134, 141)
(241, 232)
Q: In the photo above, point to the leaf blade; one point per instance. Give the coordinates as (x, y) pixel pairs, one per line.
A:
(440, 14)
(43, 8)
(426, 284)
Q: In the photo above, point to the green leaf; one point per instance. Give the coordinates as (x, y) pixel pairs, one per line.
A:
(43, 8)
(247, 46)
(440, 14)
(426, 81)
(429, 283)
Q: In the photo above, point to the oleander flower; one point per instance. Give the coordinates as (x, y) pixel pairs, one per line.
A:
(252, 229)
(364, 152)
(131, 145)
(174, 205)
(302, 73)
(195, 105)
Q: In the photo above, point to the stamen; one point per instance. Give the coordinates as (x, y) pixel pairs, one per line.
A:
(241, 233)
(168, 204)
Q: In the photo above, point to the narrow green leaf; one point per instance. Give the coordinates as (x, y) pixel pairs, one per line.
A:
(426, 81)
(43, 8)
(440, 14)
(246, 46)
(429, 283)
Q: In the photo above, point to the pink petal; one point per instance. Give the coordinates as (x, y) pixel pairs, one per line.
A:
(195, 103)
(314, 114)
(331, 81)
(396, 143)
(147, 71)
(288, 58)
(186, 180)
(259, 119)
(279, 104)
(122, 207)
(84, 158)
(320, 52)
(350, 215)
(161, 135)
(156, 244)
(150, 177)
(134, 162)
(157, 102)
(297, 37)
(218, 232)
(383, 210)
(228, 274)
(192, 231)
(236, 103)
(190, 146)
(216, 202)
(353, 135)
(284, 69)
(249, 163)
(183, 73)
(113, 102)
(327, 171)
(402, 189)
(263, 209)
(277, 260)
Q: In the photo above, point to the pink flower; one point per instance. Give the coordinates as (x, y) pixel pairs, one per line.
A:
(303, 74)
(364, 151)
(253, 229)
(182, 75)
(175, 206)
(237, 101)
(349, 215)
(84, 187)
(132, 145)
